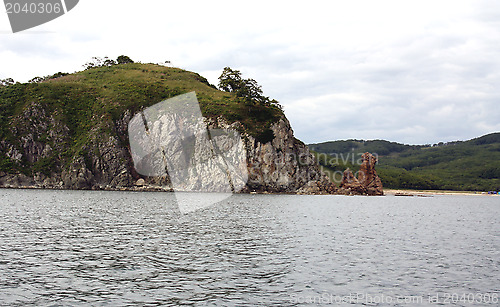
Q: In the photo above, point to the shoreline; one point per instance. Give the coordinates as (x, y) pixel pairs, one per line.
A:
(387, 192)
(408, 192)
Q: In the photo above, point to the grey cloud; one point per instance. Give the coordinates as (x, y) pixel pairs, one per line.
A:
(335, 78)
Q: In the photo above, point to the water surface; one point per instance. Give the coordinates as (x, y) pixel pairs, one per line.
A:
(124, 248)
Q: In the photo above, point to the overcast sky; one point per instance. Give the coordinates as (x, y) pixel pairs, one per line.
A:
(414, 72)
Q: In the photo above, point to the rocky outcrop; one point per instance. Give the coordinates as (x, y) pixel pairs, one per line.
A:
(103, 159)
(42, 140)
(350, 185)
(368, 176)
(284, 165)
(367, 183)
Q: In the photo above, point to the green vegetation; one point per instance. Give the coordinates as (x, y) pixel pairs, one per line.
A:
(252, 103)
(471, 165)
(123, 59)
(99, 96)
(6, 82)
(12, 101)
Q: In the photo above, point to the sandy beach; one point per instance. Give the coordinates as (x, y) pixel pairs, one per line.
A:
(433, 192)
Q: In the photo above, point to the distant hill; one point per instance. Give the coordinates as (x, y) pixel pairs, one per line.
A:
(462, 165)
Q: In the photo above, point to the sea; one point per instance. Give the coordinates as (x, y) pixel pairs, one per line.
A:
(96, 248)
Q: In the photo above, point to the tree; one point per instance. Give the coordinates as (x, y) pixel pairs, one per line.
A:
(108, 62)
(37, 80)
(123, 59)
(95, 62)
(252, 91)
(230, 80)
(247, 89)
(6, 82)
(99, 62)
(58, 75)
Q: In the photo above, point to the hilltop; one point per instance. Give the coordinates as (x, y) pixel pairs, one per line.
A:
(472, 165)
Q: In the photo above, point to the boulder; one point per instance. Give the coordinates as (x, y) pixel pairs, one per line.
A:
(141, 182)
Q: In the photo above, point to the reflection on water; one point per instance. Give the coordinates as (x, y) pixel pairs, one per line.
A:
(123, 248)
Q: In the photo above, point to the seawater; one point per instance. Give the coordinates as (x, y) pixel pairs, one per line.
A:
(71, 248)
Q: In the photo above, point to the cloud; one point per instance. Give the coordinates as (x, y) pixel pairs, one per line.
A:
(407, 71)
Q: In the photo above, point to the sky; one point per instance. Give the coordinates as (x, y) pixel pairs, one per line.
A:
(414, 72)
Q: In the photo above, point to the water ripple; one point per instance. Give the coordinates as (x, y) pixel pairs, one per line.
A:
(127, 249)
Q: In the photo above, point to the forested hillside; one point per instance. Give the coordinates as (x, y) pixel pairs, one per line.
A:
(469, 165)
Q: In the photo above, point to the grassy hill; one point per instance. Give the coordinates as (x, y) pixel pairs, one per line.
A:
(469, 165)
(97, 99)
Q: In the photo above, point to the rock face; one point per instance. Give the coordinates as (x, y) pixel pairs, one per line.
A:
(284, 165)
(42, 139)
(367, 183)
(103, 160)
